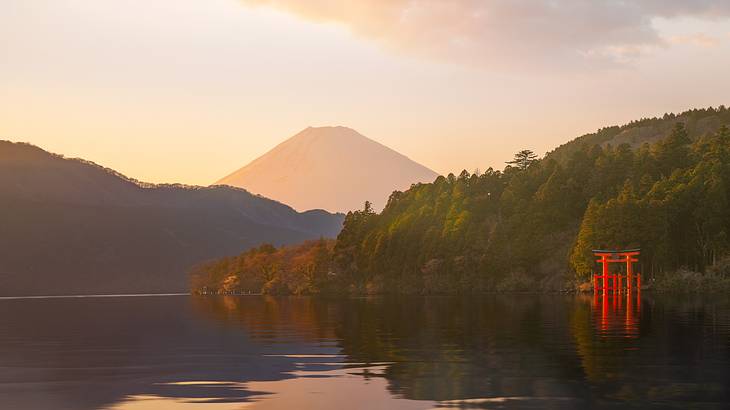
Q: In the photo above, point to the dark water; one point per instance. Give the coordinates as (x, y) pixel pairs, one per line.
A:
(514, 351)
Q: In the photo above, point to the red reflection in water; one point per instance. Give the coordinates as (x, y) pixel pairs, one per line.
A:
(617, 314)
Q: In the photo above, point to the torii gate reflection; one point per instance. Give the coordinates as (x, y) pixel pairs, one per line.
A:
(618, 314)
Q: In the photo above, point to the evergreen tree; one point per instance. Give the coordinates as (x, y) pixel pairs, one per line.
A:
(523, 159)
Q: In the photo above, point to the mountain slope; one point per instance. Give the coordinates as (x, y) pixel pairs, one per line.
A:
(70, 226)
(698, 123)
(333, 168)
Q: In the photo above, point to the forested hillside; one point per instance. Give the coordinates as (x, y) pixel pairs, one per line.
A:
(532, 225)
(697, 122)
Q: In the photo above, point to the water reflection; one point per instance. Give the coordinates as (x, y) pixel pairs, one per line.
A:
(655, 354)
(339, 386)
(567, 352)
(617, 314)
(512, 351)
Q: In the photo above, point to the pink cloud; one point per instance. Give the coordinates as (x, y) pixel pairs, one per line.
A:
(509, 33)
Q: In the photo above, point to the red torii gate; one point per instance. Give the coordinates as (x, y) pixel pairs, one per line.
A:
(628, 257)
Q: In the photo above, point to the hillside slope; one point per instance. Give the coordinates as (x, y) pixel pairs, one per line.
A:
(70, 227)
(697, 122)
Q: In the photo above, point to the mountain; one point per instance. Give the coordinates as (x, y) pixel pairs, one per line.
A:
(334, 168)
(532, 226)
(72, 227)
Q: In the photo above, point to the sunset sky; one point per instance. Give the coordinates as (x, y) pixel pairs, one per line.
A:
(190, 90)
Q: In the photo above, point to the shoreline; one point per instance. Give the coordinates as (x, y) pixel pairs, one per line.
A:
(122, 295)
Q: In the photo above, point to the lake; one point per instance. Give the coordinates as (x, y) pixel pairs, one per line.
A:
(258, 352)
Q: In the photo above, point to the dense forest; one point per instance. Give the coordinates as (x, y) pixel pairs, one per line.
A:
(530, 226)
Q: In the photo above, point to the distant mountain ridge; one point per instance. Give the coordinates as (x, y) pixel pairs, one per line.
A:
(70, 226)
(334, 168)
(698, 123)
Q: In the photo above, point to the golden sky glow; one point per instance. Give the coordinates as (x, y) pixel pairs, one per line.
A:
(188, 91)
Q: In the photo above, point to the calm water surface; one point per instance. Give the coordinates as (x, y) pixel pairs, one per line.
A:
(514, 351)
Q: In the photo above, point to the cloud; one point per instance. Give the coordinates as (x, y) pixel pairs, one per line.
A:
(698, 39)
(509, 33)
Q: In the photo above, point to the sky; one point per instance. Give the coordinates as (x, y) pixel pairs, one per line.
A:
(188, 91)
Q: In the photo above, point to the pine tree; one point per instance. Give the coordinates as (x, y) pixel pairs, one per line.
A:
(523, 159)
